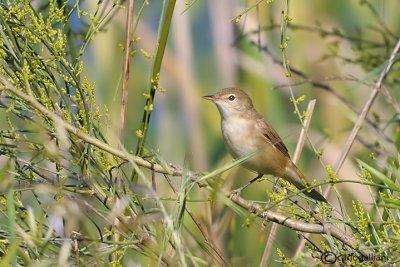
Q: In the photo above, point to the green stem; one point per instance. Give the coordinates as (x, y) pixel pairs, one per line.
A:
(284, 39)
(155, 75)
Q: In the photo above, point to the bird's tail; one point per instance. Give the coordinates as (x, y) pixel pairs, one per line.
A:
(297, 178)
(315, 195)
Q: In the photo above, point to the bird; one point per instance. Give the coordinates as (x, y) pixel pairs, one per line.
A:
(245, 131)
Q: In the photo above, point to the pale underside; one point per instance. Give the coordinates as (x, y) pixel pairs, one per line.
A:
(243, 137)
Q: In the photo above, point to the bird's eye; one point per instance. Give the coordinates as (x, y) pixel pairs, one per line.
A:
(231, 97)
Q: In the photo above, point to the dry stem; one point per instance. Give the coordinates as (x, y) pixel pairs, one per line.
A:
(127, 57)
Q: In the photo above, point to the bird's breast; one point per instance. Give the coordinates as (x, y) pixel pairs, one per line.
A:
(239, 135)
(242, 138)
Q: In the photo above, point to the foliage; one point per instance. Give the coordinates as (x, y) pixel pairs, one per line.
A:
(67, 196)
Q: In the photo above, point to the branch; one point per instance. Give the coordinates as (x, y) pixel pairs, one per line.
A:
(84, 136)
(311, 228)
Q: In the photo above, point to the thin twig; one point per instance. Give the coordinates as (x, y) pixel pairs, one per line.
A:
(127, 57)
(303, 133)
(258, 28)
(299, 148)
(356, 128)
(317, 29)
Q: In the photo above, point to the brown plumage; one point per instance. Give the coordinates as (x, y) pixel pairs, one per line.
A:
(246, 131)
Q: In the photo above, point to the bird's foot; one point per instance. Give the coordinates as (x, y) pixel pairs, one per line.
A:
(235, 193)
(275, 187)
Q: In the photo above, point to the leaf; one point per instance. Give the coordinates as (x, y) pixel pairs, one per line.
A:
(228, 166)
(392, 201)
(381, 176)
(11, 254)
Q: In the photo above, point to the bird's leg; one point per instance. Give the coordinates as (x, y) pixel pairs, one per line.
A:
(275, 185)
(237, 191)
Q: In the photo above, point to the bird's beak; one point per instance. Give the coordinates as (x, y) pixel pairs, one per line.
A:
(210, 97)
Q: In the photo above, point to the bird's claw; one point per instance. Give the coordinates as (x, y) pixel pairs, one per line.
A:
(235, 193)
(275, 187)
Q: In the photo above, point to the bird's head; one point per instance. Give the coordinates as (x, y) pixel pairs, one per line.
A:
(231, 102)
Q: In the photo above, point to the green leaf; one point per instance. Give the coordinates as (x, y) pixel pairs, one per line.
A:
(394, 202)
(381, 176)
(228, 166)
(10, 256)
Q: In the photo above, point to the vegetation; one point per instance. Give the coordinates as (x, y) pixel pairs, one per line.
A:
(86, 178)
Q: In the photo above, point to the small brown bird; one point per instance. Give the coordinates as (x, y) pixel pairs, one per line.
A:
(245, 131)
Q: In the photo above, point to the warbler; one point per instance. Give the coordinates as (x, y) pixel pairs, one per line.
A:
(246, 131)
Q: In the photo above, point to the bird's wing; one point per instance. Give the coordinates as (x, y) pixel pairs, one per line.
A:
(272, 136)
